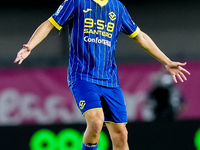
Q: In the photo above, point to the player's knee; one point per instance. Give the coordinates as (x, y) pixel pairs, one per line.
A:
(96, 126)
(95, 121)
(121, 136)
(124, 134)
(121, 139)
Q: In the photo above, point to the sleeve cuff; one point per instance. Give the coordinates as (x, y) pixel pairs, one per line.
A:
(134, 34)
(55, 23)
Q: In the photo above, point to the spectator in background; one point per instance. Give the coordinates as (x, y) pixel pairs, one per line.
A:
(165, 98)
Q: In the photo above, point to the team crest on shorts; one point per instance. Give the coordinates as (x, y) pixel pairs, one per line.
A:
(82, 104)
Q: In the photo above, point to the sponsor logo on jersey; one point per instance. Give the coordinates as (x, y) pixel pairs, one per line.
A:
(59, 9)
(85, 11)
(98, 32)
(82, 104)
(97, 40)
(112, 16)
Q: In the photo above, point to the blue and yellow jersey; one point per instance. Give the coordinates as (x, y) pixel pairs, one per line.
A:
(94, 27)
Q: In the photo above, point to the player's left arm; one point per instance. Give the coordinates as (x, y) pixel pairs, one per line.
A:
(175, 68)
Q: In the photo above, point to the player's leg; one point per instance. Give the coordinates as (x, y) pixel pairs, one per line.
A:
(88, 101)
(94, 120)
(119, 136)
(115, 116)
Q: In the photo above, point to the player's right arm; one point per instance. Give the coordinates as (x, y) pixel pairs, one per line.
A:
(40, 34)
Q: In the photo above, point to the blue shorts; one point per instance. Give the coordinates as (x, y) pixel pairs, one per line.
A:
(92, 96)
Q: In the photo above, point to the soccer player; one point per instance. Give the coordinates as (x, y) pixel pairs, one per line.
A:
(94, 26)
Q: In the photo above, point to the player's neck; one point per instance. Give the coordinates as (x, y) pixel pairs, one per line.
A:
(101, 2)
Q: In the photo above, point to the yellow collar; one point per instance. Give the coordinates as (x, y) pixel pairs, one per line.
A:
(101, 2)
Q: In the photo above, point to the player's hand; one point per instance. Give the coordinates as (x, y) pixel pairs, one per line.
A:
(23, 54)
(176, 70)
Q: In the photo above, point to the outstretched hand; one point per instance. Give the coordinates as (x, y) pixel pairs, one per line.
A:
(23, 54)
(176, 70)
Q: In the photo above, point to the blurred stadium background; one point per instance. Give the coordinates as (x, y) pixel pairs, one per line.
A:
(37, 111)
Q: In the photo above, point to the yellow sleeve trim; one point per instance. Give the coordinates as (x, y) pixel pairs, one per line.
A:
(134, 34)
(55, 23)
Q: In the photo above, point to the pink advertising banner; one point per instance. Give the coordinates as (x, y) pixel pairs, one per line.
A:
(41, 95)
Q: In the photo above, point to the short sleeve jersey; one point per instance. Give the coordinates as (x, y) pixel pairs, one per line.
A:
(94, 27)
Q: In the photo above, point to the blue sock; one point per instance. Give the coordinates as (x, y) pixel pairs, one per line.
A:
(89, 147)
